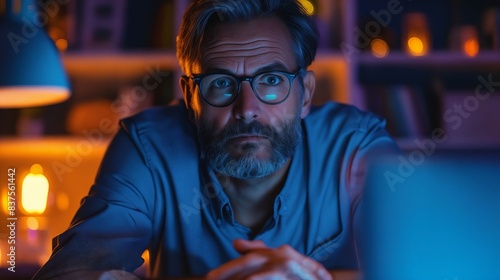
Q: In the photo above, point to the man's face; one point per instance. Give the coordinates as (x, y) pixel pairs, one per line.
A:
(248, 138)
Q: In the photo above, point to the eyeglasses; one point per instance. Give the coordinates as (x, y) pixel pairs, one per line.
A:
(220, 90)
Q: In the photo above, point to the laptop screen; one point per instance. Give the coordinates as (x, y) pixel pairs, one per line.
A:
(431, 217)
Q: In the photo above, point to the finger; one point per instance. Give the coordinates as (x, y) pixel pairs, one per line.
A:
(301, 262)
(297, 271)
(267, 275)
(287, 263)
(317, 270)
(244, 246)
(291, 271)
(243, 265)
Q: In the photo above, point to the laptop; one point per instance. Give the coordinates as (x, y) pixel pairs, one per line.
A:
(432, 216)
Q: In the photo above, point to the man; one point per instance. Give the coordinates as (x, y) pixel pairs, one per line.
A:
(243, 180)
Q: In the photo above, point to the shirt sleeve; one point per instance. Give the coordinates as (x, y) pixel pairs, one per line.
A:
(375, 144)
(112, 227)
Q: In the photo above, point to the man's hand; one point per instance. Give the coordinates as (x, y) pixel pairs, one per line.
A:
(259, 262)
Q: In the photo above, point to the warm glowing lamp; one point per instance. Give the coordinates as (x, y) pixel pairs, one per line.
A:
(5, 201)
(35, 190)
(415, 46)
(471, 47)
(465, 39)
(308, 6)
(416, 39)
(379, 48)
(31, 72)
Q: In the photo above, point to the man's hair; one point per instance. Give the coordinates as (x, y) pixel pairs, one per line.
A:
(204, 14)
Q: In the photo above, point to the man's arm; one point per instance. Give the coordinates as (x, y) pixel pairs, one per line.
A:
(112, 227)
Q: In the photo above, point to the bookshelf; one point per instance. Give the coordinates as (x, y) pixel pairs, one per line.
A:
(441, 86)
(346, 70)
(128, 63)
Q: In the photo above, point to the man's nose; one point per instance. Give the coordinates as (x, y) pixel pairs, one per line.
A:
(247, 106)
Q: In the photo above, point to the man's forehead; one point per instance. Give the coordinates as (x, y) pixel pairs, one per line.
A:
(262, 41)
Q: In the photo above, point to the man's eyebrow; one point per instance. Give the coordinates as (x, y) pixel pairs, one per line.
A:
(216, 71)
(276, 66)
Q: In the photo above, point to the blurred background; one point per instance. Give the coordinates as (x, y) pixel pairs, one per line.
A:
(431, 68)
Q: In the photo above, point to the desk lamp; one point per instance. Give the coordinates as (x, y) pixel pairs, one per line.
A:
(31, 72)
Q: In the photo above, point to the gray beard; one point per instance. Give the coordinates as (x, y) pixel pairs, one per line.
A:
(245, 166)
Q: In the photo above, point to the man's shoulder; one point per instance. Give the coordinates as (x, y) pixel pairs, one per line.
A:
(155, 115)
(172, 118)
(167, 130)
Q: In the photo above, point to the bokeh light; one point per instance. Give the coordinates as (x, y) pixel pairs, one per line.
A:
(379, 48)
(416, 46)
(471, 47)
(308, 5)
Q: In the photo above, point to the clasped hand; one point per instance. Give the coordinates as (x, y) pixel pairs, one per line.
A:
(259, 262)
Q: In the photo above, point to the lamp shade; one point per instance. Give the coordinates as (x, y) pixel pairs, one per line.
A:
(31, 72)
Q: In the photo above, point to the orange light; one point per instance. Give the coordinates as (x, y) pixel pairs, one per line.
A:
(62, 201)
(145, 256)
(308, 6)
(379, 48)
(416, 46)
(416, 34)
(31, 96)
(35, 190)
(62, 44)
(5, 201)
(33, 223)
(464, 39)
(471, 47)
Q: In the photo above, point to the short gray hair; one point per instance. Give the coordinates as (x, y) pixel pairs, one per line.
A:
(201, 14)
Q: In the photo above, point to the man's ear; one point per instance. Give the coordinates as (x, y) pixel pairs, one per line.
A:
(309, 81)
(185, 85)
(186, 90)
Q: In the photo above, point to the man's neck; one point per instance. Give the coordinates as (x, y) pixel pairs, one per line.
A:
(253, 199)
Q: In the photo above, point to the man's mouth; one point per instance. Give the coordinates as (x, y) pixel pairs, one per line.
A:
(248, 136)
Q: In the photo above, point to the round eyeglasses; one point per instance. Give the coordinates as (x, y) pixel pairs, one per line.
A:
(220, 90)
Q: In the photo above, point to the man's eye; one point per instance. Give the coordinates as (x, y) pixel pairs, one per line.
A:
(222, 83)
(271, 79)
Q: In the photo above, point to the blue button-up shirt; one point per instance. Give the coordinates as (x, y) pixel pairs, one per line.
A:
(153, 192)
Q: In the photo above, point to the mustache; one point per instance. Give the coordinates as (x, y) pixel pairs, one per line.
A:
(254, 128)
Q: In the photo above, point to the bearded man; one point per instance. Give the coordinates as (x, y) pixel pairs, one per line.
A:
(244, 179)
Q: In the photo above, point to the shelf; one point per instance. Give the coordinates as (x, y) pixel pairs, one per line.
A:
(128, 64)
(118, 65)
(442, 60)
(454, 70)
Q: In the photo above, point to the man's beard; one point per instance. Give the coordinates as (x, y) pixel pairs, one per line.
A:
(246, 165)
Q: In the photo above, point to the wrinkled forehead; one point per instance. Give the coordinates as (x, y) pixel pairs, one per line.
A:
(243, 46)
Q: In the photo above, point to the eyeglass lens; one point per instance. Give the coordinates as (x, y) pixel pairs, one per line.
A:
(221, 89)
